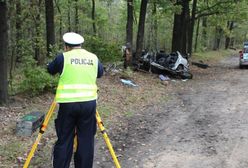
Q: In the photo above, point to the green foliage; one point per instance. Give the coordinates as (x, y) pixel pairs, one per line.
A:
(26, 52)
(55, 49)
(106, 52)
(37, 80)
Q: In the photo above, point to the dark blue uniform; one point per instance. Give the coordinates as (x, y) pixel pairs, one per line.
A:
(79, 116)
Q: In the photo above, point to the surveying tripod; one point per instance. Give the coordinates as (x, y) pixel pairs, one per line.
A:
(43, 129)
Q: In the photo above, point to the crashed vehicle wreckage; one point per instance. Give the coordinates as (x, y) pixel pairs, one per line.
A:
(173, 64)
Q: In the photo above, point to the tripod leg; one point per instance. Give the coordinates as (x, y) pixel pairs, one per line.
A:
(75, 143)
(107, 140)
(42, 130)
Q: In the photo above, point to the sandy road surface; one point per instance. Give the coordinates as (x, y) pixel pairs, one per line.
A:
(204, 126)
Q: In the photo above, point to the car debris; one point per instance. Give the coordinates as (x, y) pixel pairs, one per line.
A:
(128, 82)
(200, 65)
(163, 78)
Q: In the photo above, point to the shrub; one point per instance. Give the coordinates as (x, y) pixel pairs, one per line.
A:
(37, 80)
(106, 52)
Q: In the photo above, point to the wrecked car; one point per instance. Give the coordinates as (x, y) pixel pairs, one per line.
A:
(173, 64)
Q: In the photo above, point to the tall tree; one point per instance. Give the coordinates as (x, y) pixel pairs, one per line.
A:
(141, 28)
(191, 27)
(230, 26)
(129, 32)
(155, 25)
(152, 41)
(180, 29)
(176, 35)
(129, 26)
(197, 34)
(60, 20)
(18, 26)
(69, 15)
(218, 35)
(76, 29)
(3, 53)
(93, 15)
(36, 17)
(204, 32)
(50, 30)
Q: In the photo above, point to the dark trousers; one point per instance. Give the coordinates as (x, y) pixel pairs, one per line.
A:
(71, 116)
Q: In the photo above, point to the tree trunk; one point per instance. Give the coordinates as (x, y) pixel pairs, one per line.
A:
(185, 30)
(76, 17)
(228, 38)
(50, 30)
(129, 26)
(18, 27)
(245, 35)
(3, 53)
(35, 11)
(37, 36)
(177, 34)
(155, 26)
(129, 34)
(197, 34)
(60, 22)
(191, 27)
(69, 16)
(93, 17)
(180, 29)
(204, 32)
(218, 35)
(232, 42)
(141, 28)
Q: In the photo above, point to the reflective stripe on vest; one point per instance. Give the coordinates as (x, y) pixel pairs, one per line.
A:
(76, 95)
(77, 86)
(77, 82)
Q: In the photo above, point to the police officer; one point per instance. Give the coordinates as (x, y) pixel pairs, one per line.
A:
(76, 94)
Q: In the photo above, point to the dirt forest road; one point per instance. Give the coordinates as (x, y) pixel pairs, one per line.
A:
(204, 126)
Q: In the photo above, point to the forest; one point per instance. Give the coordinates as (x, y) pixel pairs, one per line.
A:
(31, 33)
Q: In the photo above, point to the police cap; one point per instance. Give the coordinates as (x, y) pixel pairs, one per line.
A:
(73, 38)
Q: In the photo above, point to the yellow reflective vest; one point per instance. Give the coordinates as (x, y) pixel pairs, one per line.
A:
(77, 81)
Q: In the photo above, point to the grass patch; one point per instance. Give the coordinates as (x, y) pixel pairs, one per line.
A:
(164, 98)
(11, 151)
(105, 112)
(212, 56)
(129, 114)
